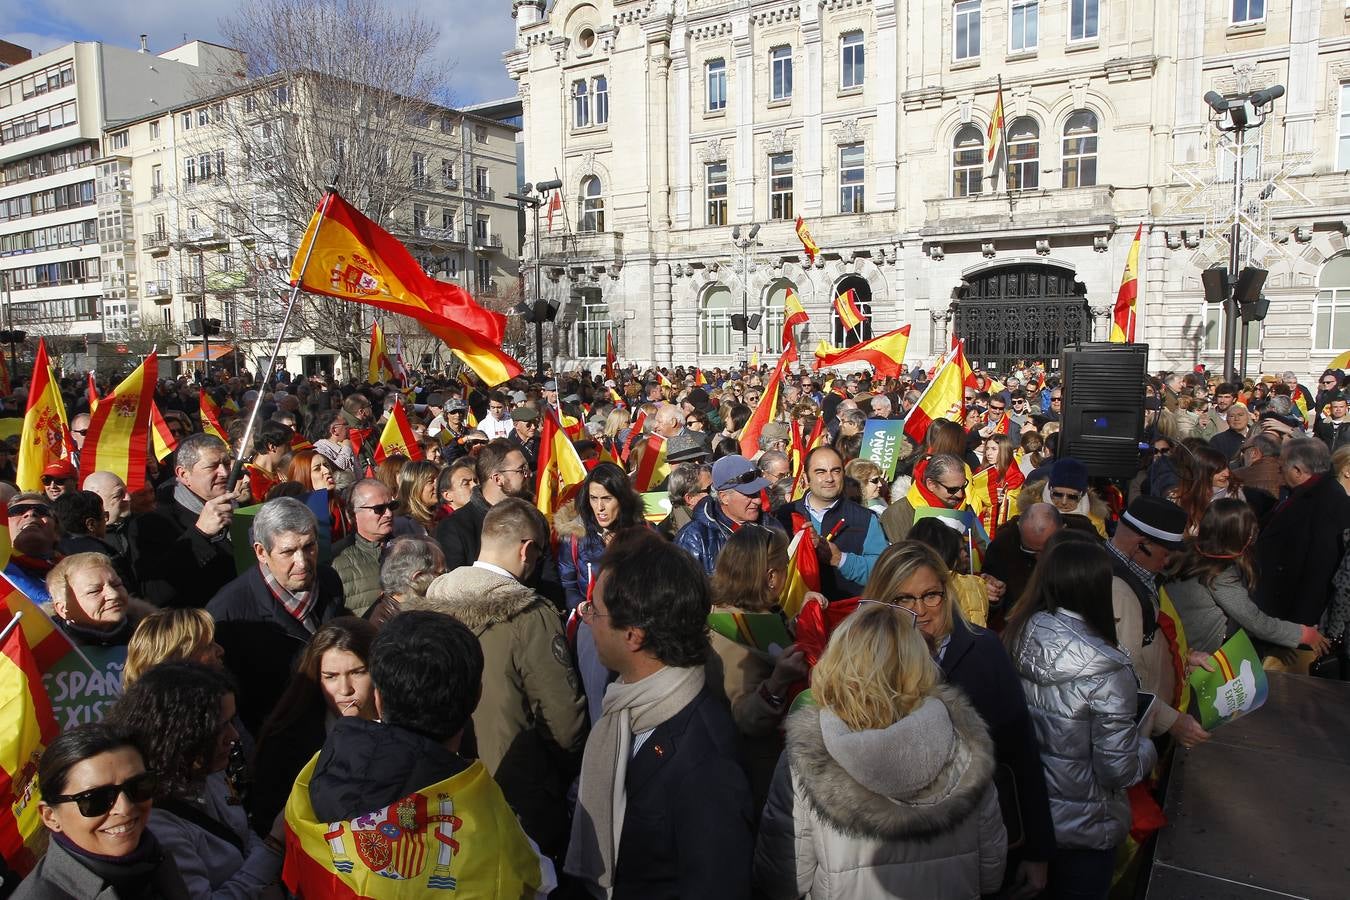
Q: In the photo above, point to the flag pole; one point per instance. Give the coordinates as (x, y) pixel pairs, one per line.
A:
(10, 626)
(237, 468)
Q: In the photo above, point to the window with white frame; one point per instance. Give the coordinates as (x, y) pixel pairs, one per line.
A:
(1214, 330)
(600, 98)
(1343, 130)
(1083, 19)
(581, 104)
(1023, 25)
(1080, 149)
(966, 30)
(154, 130)
(592, 324)
(771, 323)
(968, 162)
(714, 321)
(851, 171)
(1024, 154)
(419, 168)
(851, 60)
(780, 68)
(118, 140)
(716, 71)
(1331, 323)
(780, 186)
(592, 213)
(716, 181)
(419, 218)
(1246, 12)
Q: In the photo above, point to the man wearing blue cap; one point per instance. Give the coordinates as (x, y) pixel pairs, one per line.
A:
(734, 501)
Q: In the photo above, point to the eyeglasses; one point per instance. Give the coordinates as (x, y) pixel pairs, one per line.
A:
(380, 509)
(79, 431)
(743, 478)
(691, 422)
(522, 470)
(1054, 399)
(876, 480)
(37, 510)
(52, 479)
(928, 600)
(586, 609)
(1162, 451)
(1068, 496)
(993, 408)
(98, 801)
(911, 617)
(953, 489)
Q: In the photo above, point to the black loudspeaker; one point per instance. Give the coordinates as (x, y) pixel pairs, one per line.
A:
(1102, 417)
(1215, 280)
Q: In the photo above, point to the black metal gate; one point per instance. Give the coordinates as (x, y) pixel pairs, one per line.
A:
(1021, 312)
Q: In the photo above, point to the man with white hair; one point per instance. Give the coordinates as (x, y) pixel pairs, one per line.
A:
(266, 616)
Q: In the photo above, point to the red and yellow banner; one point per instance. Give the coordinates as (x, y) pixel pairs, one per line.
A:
(799, 457)
(27, 726)
(46, 431)
(809, 245)
(653, 468)
(161, 437)
(803, 574)
(993, 135)
(886, 354)
(768, 403)
(559, 471)
(794, 314)
(117, 438)
(846, 305)
(1126, 311)
(397, 438)
(354, 259)
(380, 370)
(210, 415)
(944, 398)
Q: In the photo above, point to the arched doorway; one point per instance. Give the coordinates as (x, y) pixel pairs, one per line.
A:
(1020, 312)
(840, 336)
(771, 330)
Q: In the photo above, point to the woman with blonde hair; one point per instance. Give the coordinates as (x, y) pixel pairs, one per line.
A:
(871, 483)
(172, 635)
(842, 819)
(616, 421)
(417, 493)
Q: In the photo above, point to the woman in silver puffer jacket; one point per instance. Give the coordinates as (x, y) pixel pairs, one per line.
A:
(1081, 690)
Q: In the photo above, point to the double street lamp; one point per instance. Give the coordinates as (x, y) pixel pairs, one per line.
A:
(744, 322)
(1236, 114)
(538, 311)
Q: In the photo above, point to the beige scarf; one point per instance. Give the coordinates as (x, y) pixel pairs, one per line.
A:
(601, 801)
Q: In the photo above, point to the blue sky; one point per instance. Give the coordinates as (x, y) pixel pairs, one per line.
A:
(474, 33)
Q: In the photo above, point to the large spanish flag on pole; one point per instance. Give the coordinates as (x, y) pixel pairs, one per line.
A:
(886, 354)
(117, 441)
(381, 370)
(26, 727)
(560, 470)
(794, 314)
(846, 305)
(768, 402)
(45, 428)
(397, 439)
(1126, 312)
(355, 259)
(943, 398)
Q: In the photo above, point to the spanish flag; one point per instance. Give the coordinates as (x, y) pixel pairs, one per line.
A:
(48, 643)
(803, 574)
(455, 838)
(809, 245)
(1126, 311)
(768, 402)
(886, 354)
(943, 398)
(397, 438)
(610, 356)
(210, 415)
(27, 726)
(994, 137)
(45, 427)
(652, 468)
(160, 435)
(354, 259)
(1340, 362)
(700, 380)
(117, 439)
(794, 314)
(662, 380)
(91, 387)
(799, 465)
(380, 370)
(846, 305)
(559, 471)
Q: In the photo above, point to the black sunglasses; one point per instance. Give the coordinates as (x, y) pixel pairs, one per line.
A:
(743, 478)
(52, 479)
(17, 511)
(380, 509)
(98, 801)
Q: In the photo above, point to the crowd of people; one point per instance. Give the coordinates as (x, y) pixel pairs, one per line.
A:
(402, 675)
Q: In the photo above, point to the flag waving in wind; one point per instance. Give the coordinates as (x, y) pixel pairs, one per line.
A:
(1126, 312)
(118, 434)
(943, 398)
(355, 259)
(45, 429)
(809, 245)
(768, 402)
(397, 438)
(380, 369)
(886, 353)
(846, 306)
(794, 314)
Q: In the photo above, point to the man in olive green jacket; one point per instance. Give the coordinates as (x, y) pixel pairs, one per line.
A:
(530, 723)
(356, 559)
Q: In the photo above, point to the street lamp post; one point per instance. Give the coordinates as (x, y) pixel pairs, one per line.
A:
(533, 197)
(1236, 115)
(744, 244)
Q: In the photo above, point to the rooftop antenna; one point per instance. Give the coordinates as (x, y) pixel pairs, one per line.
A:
(144, 46)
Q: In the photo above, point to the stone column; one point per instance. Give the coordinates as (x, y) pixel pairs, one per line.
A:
(663, 342)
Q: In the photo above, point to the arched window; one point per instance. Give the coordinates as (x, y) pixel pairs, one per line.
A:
(862, 301)
(592, 214)
(1332, 328)
(1024, 154)
(771, 326)
(968, 162)
(1080, 149)
(714, 321)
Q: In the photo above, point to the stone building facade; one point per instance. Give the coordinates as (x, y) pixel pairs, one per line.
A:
(670, 122)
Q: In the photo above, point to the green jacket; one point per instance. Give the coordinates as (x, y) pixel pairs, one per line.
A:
(357, 562)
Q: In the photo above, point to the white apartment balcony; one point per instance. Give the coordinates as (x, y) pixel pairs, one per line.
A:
(156, 243)
(1059, 210)
(160, 292)
(438, 235)
(202, 237)
(487, 241)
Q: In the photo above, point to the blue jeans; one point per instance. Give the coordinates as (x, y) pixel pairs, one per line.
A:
(1080, 874)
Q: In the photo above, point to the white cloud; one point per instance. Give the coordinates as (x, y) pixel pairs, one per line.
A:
(474, 34)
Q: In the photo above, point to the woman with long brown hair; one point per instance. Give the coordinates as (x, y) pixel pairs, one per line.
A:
(315, 472)
(1205, 477)
(417, 492)
(1213, 581)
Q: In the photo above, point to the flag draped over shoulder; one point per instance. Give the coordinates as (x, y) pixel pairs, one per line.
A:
(27, 726)
(354, 259)
(809, 245)
(559, 471)
(794, 314)
(943, 398)
(117, 438)
(45, 427)
(380, 369)
(768, 402)
(886, 354)
(1126, 311)
(397, 439)
(846, 305)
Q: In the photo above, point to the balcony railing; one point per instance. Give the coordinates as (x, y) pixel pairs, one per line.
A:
(191, 285)
(489, 241)
(450, 184)
(157, 290)
(156, 241)
(484, 193)
(227, 282)
(202, 236)
(442, 235)
(156, 190)
(486, 289)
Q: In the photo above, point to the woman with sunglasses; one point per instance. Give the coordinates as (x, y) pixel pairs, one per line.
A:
(96, 802)
(1213, 580)
(697, 420)
(871, 485)
(1082, 691)
(842, 819)
(182, 714)
(912, 575)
